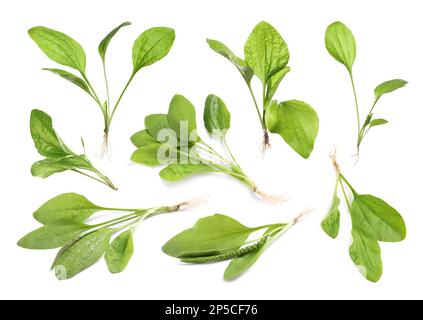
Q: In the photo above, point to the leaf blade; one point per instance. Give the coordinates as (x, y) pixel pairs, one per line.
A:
(341, 45)
(217, 118)
(151, 46)
(177, 172)
(59, 47)
(120, 252)
(296, 122)
(104, 44)
(388, 87)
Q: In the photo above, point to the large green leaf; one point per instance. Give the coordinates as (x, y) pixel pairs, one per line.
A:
(81, 254)
(177, 172)
(331, 223)
(53, 235)
(366, 255)
(120, 252)
(155, 123)
(148, 155)
(341, 45)
(47, 142)
(217, 118)
(296, 122)
(210, 235)
(151, 46)
(182, 118)
(104, 44)
(71, 78)
(66, 207)
(388, 87)
(59, 47)
(377, 219)
(266, 51)
(50, 166)
(246, 72)
(142, 138)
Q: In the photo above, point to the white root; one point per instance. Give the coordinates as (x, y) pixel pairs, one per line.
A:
(190, 204)
(275, 200)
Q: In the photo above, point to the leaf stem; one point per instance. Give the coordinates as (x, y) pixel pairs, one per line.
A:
(120, 97)
(263, 125)
(106, 81)
(356, 104)
(345, 195)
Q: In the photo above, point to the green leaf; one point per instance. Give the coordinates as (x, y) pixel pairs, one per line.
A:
(81, 254)
(151, 46)
(388, 87)
(378, 122)
(377, 219)
(296, 122)
(217, 118)
(246, 72)
(330, 224)
(72, 78)
(366, 255)
(59, 47)
(148, 155)
(66, 207)
(182, 118)
(142, 139)
(177, 172)
(47, 142)
(266, 51)
(120, 252)
(239, 266)
(211, 234)
(53, 235)
(102, 48)
(47, 167)
(273, 84)
(340, 44)
(155, 123)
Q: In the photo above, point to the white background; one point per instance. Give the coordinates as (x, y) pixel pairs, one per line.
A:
(305, 263)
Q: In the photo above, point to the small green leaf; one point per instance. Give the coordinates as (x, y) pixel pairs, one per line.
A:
(340, 43)
(47, 167)
(182, 118)
(155, 123)
(47, 142)
(120, 252)
(266, 51)
(376, 219)
(53, 235)
(177, 172)
(151, 46)
(388, 87)
(217, 118)
(273, 84)
(81, 254)
(366, 255)
(66, 207)
(59, 47)
(296, 122)
(330, 224)
(102, 48)
(378, 122)
(71, 78)
(210, 234)
(142, 139)
(147, 155)
(246, 72)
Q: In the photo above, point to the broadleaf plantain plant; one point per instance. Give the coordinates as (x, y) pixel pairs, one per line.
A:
(267, 56)
(171, 139)
(341, 45)
(221, 238)
(373, 221)
(151, 46)
(64, 219)
(59, 157)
